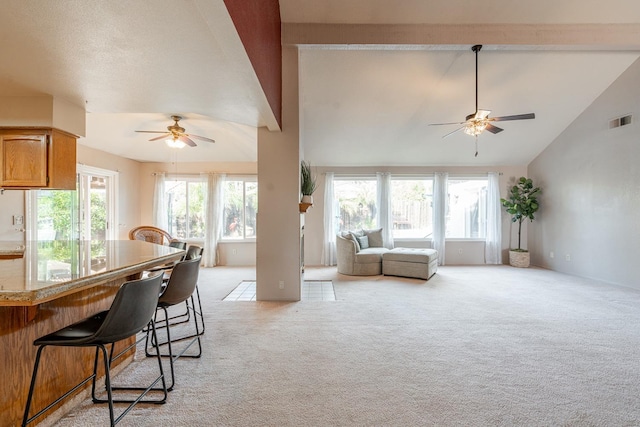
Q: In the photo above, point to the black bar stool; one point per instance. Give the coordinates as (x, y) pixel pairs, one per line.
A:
(133, 309)
(196, 252)
(193, 251)
(177, 244)
(179, 289)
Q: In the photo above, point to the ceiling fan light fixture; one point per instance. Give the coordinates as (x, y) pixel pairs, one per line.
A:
(175, 136)
(479, 121)
(174, 143)
(475, 127)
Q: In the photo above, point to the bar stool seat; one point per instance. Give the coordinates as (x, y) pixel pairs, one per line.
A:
(193, 251)
(132, 310)
(180, 287)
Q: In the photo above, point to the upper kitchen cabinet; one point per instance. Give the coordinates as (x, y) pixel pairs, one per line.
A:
(37, 158)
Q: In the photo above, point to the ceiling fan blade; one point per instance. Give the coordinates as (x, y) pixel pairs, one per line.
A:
(160, 137)
(444, 124)
(451, 133)
(177, 133)
(516, 117)
(202, 138)
(493, 129)
(187, 141)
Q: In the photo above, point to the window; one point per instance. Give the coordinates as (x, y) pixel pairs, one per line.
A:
(356, 201)
(87, 213)
(56, 214)
(466, 213)
(411, 207)
(93, 195)
(185, 197)
(240, 208)
(185, 207)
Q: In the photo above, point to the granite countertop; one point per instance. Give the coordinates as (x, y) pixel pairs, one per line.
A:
(41, 271)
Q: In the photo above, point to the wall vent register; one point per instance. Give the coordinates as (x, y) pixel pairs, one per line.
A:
(620, 121)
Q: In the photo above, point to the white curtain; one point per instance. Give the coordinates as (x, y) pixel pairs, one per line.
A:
(214, 211)
(385, 215)
(493, 242)
(159, 203)
(439, 214)
(329, 240)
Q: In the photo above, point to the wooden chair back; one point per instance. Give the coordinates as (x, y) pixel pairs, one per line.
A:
(150, 234)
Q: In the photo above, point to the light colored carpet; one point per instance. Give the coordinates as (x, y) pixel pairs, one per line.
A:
(473, 346)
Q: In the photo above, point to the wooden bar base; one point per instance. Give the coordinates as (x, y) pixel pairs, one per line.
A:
(61, 368)
(34, 303)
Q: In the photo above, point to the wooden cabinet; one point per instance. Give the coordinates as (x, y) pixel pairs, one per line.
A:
(37, 158)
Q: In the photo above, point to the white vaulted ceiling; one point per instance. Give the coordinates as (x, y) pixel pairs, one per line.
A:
(378, 105)
(133, 64)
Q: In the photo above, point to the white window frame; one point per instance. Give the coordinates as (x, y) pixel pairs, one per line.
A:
(186, 178)
(428, 176)
(364, 177)
(245, 179)
(482, 207)
(31, 201)
(413, 177)
(85, 171)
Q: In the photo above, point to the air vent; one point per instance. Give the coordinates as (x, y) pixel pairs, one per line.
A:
(620, 121)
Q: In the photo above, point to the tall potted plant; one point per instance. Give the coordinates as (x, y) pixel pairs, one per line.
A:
(308, 182)
(522, 204)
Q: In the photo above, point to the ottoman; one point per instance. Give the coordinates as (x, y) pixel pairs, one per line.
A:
(410, 262)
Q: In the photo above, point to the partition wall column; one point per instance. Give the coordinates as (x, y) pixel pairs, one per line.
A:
(278, 272)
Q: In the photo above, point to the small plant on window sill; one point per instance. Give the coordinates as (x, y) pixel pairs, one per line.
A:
(308, 183)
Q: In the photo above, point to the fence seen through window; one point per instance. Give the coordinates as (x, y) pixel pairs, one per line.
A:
(240, 208)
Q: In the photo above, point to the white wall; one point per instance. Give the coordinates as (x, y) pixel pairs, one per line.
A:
(457, 252)
(11, 203)
(129, 193)
(590, 180)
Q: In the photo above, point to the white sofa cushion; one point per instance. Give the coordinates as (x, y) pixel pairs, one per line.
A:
(351, 236)
(370, 255)
(375, 238)
(415, 255)
(363, 241)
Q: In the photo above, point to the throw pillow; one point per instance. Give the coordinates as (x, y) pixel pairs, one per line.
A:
(364, 241)
(375, 238)
(355, 239)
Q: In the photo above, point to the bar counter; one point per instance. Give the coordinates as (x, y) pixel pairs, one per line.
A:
(45, 286)
(51, 269)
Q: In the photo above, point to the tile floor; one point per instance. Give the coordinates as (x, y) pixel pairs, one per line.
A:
(312, 290)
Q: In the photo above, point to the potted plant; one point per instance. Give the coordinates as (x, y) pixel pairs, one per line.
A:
(308, 182)
(522, 204)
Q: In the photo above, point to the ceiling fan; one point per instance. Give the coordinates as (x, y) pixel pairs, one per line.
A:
(175, 135)
(478, 122)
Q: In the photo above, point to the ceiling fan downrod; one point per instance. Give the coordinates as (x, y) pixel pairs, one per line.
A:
(476, 49)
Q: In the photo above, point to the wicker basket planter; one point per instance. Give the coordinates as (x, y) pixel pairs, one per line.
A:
(519, 259)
